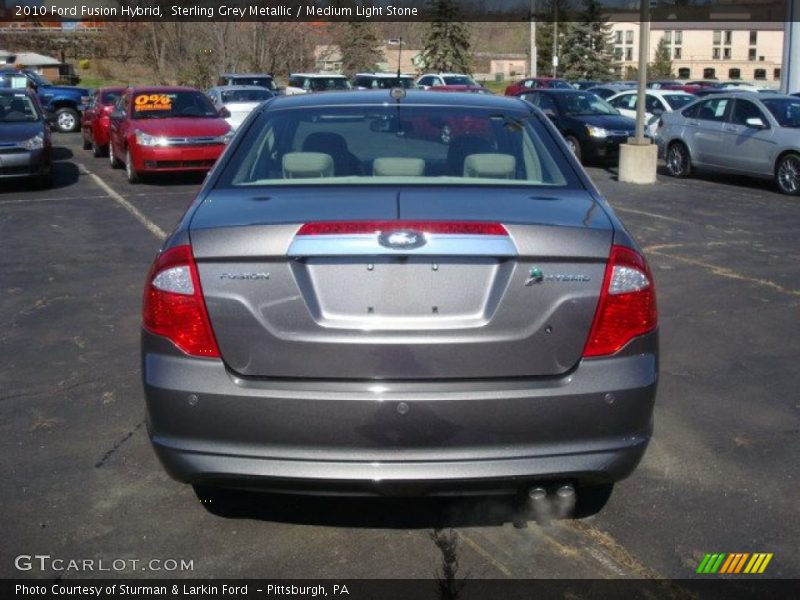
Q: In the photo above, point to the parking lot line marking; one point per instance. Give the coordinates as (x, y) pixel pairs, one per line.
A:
(137, 214)
(485, 554)
(52, 199)
(729, 273)
(653, 215)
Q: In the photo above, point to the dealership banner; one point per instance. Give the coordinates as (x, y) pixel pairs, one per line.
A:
(404, 589)
(96, 11)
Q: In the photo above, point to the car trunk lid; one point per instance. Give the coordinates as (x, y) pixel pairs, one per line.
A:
(305, 282)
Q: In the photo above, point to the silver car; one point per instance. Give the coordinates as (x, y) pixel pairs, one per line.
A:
(350, 306)
(235, 102)
(740, 132)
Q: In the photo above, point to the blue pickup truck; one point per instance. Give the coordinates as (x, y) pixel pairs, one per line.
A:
(64, 102)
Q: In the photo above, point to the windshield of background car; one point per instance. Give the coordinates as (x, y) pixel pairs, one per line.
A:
(265, 82)
(457, 80)
(580, 105)
(161, 105)
(430, 145)
(786, 111)
(17, 108)
(245, 96)
(560, 85)
(678, 101)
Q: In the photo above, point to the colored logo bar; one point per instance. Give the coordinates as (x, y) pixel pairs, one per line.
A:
(734, 563)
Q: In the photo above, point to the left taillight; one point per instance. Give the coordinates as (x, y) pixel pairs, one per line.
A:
(173, 304)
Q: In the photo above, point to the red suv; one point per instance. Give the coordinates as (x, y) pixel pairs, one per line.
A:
(537, 83)
(165, 129)
(94, 120)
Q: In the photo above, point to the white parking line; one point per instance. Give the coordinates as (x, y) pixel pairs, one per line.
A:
(137, 214)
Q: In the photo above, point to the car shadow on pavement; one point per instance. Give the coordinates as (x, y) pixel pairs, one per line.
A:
(377, 512)
(65, 174)
(726, 179)
(172, 179)
(369, 512)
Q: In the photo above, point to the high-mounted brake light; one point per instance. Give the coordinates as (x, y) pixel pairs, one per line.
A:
(442, 227)
(173, 304)
(627, 306)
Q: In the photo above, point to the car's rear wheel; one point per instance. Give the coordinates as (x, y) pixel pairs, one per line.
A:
(679, 164)
(787, 174)
(112, 159)
(87, 143)
(574, 146)
(130, 170)
(67, 120)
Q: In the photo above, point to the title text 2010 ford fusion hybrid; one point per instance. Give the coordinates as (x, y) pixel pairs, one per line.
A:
(353, 305)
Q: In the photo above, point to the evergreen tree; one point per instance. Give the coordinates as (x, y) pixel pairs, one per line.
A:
(586, 51)
(447, 42)
(358, 46)
(661, 67)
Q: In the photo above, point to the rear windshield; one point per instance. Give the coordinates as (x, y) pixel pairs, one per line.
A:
(265, 82)
(17, 108)
(396, 144)
(560, 84)
(321, 84)
(109, 98)
(584, 105)
(245, 96)
(161, 105)
(384, 82)
(678, 101)
(457, 80)
(786, 111)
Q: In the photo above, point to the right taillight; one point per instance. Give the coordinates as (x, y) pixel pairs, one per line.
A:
(627, 306)
(173, 304)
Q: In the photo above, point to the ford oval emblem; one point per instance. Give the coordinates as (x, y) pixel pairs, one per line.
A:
(401, 239)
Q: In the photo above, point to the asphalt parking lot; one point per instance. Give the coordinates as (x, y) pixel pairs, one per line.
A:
(81, 481)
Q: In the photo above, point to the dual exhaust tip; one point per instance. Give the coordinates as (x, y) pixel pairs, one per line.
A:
(559, 503)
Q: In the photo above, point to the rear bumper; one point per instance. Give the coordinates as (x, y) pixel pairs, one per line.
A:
(377, 437)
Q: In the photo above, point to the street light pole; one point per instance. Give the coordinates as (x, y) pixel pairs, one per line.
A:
(790, 69)
(644, 55)
(638, 158)
(399, 57)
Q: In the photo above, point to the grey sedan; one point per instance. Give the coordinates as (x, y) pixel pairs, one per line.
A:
(741, 133)
(25, 143)
(350, 306)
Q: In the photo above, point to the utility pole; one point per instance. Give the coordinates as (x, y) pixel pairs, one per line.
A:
(533, 53)
(555, 38)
